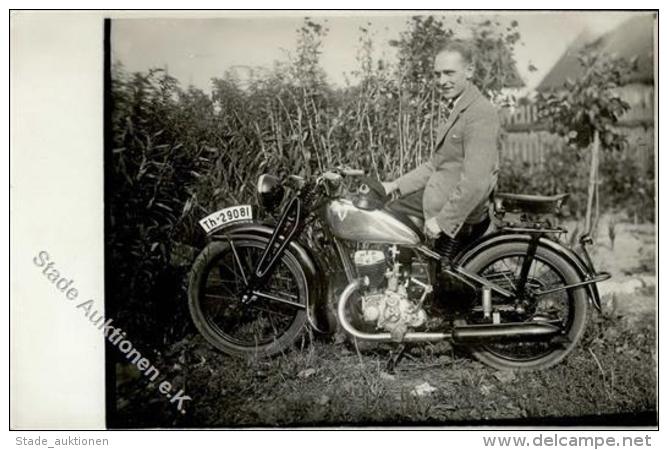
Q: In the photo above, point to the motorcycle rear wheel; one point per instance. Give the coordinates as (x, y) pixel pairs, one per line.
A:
(501, 264)
(261, 329)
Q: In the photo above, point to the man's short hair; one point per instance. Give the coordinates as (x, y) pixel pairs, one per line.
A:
(464, 48)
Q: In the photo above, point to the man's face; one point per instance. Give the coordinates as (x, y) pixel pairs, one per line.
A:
(452, 73)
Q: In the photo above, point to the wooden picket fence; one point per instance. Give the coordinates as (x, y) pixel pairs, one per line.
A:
(529, 146)
(526, 139)
(532, 147)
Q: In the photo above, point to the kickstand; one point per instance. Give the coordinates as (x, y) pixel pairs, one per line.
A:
(395, 357)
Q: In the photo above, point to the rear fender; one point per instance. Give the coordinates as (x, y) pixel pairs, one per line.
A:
(316, 300)
(569, 255)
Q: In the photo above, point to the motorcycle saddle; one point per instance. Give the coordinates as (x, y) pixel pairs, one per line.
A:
(532, 204)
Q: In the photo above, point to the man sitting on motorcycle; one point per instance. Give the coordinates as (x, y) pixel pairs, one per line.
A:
(452, 190)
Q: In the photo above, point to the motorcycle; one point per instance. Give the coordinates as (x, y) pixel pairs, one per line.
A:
(330, 258)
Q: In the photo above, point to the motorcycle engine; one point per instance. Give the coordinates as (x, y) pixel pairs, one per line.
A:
(371, 264)
(388, 304)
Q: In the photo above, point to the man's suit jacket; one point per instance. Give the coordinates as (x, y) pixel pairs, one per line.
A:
(462, 172)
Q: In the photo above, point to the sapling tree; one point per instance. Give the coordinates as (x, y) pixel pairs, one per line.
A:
(585, 111)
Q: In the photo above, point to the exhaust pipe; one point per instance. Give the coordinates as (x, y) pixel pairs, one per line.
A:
(465, 334)
(505, 332)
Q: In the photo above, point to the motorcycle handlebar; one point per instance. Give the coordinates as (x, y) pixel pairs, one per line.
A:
(352, 172)
(332, 176)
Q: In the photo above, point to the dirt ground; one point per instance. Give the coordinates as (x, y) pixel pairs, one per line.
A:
(628, 253)
(610, 379)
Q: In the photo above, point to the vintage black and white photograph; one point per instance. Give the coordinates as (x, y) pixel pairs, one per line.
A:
(380, 219)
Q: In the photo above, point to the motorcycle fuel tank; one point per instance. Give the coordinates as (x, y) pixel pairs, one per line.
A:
(377, 226)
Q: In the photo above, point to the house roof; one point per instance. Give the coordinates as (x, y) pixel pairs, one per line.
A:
(514, 79)
(632, 38)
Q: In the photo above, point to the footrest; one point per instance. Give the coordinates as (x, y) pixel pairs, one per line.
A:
(600, 276)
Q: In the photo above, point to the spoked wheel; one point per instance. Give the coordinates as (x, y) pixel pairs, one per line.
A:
(567, 309)
(263, 327)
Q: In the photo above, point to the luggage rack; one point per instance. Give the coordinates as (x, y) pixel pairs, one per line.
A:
(534, 213)
(530, 213)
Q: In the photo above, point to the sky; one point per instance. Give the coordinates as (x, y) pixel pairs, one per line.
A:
(196, 48)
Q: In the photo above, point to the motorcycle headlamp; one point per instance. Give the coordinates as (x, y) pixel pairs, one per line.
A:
(270, 191)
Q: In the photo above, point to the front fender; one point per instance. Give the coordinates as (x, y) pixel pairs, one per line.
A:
(317, 300)
(502, 237)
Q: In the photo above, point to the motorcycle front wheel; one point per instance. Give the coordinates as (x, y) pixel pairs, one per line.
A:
(266, 326)
(502, 264)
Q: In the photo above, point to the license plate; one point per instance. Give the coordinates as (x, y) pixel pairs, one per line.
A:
(226, 216)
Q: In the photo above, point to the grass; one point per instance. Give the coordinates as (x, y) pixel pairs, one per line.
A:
(612, 372)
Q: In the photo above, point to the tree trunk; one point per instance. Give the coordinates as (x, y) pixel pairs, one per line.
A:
(597, 198)
(591, 191)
